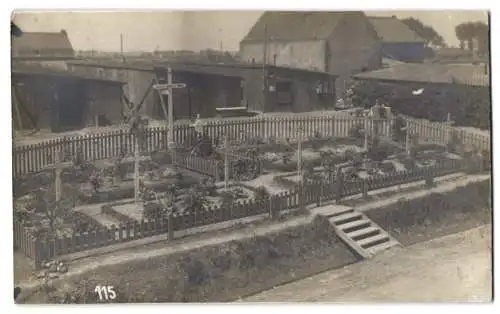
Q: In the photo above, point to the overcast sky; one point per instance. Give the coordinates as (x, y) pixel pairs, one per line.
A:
(193, 30)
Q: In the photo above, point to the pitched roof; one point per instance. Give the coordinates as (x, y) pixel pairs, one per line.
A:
(37, 44)
(293, 26)
(465, 74)
(392, 30)
(15, 30)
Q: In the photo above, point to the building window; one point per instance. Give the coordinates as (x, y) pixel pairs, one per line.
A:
(324, 88)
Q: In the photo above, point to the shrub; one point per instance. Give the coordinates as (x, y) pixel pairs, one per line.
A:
(357, 131)
(261, 193)
(153, 211)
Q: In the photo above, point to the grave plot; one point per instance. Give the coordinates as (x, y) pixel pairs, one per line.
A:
(42, 217)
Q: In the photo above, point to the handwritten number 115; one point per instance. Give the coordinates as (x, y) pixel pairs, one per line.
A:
(105, 292)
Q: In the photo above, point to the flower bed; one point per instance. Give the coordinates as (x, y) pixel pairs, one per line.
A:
(109, 210)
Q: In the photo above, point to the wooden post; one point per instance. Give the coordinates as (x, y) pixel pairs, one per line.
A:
(169, 87)
(299, 173)
(58, 180)
(170, 134)
(339, 186)
(407, 139)
(136, 168)
(366, 133)
(365, 188)
(448, 137)
(163, 106)
(226, 162)
(170, 227)
(429, 178)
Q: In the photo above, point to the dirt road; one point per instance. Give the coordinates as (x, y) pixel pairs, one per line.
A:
(455, 268)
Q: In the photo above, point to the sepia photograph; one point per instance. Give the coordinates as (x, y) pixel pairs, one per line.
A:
(167, 156)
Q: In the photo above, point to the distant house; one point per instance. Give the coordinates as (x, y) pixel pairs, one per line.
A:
(399, 42)
(340, 43)
(463, 90)
(42, 46)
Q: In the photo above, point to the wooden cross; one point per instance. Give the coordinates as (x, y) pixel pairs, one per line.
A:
(58, 167)
(168, 89)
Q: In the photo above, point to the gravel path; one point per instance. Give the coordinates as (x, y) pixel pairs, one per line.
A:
(454, 268)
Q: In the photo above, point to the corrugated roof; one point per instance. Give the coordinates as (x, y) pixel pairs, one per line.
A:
(42, 44)
(293, 26)
(392, 30)
(466, 74)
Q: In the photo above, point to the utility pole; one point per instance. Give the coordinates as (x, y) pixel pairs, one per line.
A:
(170, 135)
(264, 69)
(121, 48)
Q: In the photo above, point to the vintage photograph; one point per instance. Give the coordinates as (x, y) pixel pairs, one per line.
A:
(251, 156)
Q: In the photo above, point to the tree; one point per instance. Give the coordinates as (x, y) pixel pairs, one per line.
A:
(482, 35)
(425, 31)
(465, 32)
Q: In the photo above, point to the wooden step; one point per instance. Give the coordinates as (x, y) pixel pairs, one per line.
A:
(372, 241)
(355, 225)
(346, 218)
(364, 233)
(382, 247)
(350, 210)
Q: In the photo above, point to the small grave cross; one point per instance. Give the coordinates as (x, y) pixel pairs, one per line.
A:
(58, 167)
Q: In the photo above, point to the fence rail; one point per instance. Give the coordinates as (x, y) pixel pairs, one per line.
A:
(441, 134)
(36, 157)
(42, 250)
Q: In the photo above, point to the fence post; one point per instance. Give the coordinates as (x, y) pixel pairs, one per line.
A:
(170, 227)
(272, 210)
(429, 178)
(364, 183)
(338, 188)
(37, 256)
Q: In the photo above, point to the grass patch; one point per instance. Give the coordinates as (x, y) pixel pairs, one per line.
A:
(216, 273)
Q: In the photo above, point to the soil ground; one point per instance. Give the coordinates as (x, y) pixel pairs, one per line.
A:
(454, 268)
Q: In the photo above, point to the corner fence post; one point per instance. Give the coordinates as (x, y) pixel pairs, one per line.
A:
(170, 227)
(364, 183)
(429, 178)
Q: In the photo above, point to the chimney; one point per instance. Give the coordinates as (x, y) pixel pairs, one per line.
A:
(63, 31)
(394, 17)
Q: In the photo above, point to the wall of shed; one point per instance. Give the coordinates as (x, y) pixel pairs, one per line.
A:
(405, 52)
(309, 55)
(354, 46)
(304, 97)
(137, 82)
(103, 99)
